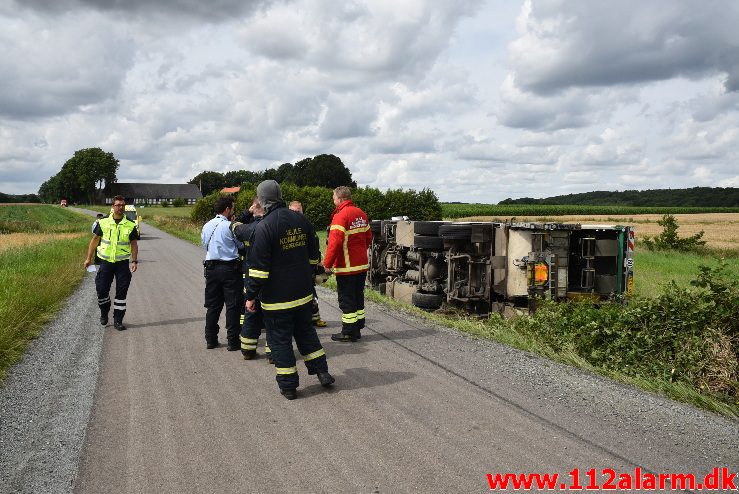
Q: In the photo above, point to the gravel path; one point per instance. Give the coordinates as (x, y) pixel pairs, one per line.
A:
(46, 401)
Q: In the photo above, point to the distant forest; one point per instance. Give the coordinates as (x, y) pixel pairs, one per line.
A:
(7, 198)
(695, 196)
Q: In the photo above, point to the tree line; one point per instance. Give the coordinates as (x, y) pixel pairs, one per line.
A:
(318, 204)
(324, 170)
(694, 196)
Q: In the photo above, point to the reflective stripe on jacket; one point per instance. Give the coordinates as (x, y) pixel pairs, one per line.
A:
(115, 244)
(349, 237)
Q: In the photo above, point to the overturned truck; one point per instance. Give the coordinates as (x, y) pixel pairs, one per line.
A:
(488, 266)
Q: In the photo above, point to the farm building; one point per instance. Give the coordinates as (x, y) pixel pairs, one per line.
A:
(140, 193)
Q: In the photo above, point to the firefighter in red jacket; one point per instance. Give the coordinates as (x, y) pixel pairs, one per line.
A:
(346, 255)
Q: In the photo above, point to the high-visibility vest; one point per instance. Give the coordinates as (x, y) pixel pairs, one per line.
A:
(115, 245)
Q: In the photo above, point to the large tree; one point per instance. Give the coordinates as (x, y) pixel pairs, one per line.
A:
(324, 170)
(85, 171)
(209, 181)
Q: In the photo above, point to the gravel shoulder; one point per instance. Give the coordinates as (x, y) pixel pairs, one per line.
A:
(47, 397)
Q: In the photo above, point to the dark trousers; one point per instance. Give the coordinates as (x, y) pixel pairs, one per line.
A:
(251, 329)
(284, 325)
(121, 271)
(350, 288)
(223, 285)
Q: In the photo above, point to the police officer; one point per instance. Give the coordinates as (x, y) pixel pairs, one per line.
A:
(253, 322)
(346, 255)
(115, 243)
(223, 280)
(281, 273)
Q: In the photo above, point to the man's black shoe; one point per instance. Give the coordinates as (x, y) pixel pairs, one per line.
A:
(119, 326)
(104, 320)
(290, 394)
(211, 345)
(249, 354)
(343, 337)
(233, 348)
(326, 379)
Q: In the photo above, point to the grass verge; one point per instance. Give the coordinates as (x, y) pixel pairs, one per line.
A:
(41, 253)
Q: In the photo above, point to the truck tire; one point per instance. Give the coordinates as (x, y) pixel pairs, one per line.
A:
(425, 242)
(427, 227)
(456, 232)
(427, 300)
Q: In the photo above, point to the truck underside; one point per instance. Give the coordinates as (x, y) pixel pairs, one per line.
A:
(487, 266)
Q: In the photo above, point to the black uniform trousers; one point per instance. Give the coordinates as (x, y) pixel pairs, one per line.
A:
(107, 271)
(223, 285)
(282, 327)
(350, 288)
(251, 330)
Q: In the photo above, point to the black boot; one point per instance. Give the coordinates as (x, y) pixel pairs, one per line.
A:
(119, 326)
(104, 319)
(345, 337)
(326, 379)
(290, 394)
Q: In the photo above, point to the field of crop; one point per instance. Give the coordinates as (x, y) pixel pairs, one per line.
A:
(455, 211)
(721, 230)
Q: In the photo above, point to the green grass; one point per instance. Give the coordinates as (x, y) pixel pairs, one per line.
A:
(654, 269)
(41, 218)
(36, 279)
(452, 211)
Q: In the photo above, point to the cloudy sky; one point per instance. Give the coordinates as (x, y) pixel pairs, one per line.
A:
(478, 100)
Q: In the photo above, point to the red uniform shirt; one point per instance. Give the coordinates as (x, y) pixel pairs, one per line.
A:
(348, 240)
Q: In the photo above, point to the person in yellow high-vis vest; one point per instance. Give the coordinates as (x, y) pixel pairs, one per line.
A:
(115, 240)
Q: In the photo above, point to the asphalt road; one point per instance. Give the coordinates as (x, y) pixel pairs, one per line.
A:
(414, 409)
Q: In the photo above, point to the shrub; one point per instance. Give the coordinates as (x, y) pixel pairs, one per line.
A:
(179, 202)
(164, 203)
(690, 335)
(669, 239)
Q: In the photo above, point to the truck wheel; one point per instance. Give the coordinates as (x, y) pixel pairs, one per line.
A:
(424, 242)
(427, 300)
(455, 232)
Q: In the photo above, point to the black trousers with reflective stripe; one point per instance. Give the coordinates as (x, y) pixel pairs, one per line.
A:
(107, 271)
(284, 325)
(253, 322)
(223, 285)
(350, 288)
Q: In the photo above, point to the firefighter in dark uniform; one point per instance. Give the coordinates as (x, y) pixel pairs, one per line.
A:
(115, 243)
(281, 264)
(223, 279)
(253, 322)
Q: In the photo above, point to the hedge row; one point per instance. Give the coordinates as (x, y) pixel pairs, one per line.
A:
(318, 204)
